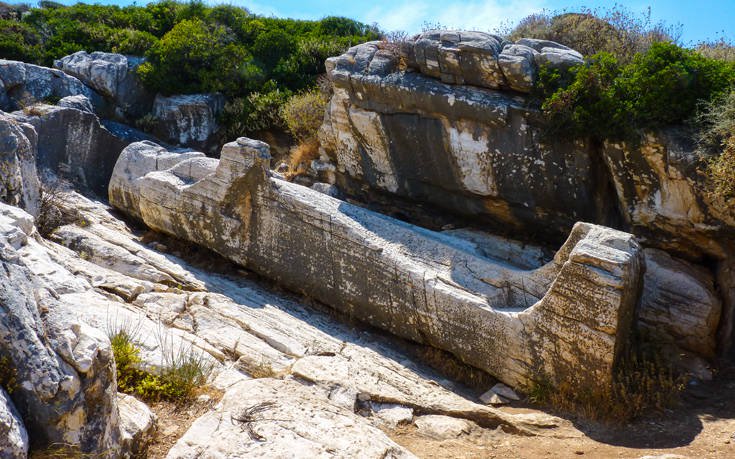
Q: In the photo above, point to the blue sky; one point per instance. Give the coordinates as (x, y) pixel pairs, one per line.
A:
(701, 20)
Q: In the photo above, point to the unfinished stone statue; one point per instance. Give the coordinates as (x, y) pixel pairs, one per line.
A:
(565, 321)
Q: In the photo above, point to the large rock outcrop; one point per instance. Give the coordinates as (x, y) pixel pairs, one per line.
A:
(113, 76)
(481, 59)
(22, 85)
(482, 152)
(415, 283)
(103, 277)
(75, 144)
(19, 185)
(63, 370)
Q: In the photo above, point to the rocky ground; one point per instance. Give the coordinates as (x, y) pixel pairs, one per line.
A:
(293, 377)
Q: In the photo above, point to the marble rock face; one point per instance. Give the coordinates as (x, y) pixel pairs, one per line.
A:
(425, 286)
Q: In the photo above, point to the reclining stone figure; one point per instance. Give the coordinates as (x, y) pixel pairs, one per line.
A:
(566, 321)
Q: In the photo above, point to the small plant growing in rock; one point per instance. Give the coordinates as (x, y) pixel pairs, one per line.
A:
(53, 213)
(147, 122)
(182, 371)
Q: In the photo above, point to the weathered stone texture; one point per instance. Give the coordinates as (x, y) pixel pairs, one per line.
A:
(19, 185)
(294, 421)
(24, 84)
(188, 120)
(415, 283)
(13, 435)
(73, 143)
(113, 76)
(64, 370)
(482, 153)
(481, 59)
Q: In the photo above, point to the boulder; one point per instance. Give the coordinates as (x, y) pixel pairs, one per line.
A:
(22, 85)
(113, 76)
(13, 435)
(479, 59)
(79, 102)
(458, 57)
(441, 427)
(138, 424)
(679, 304)
(233, 207)
(518, 63)
(19, 184)
(188, 120)
(74, 144)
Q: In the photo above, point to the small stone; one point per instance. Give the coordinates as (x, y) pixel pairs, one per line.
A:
(442, 427)
(392, 415)
(505, 391)
(491, 398)
(345, 397)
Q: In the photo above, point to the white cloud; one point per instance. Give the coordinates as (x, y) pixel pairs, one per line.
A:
(483, 15)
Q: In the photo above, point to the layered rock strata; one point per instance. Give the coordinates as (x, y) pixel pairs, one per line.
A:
(567, 320)
(455, 137)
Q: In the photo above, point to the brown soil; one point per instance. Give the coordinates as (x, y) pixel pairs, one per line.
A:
(702, 426)
(174, 419)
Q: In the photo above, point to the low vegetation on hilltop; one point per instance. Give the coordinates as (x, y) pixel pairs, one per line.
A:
(256, 62)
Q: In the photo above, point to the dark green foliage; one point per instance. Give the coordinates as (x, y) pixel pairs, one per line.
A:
(19, 42)
(191, 48)
(194, 57)
(607, 100)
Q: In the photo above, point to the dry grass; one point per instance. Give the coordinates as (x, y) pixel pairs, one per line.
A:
(53, 212)
(722, 172)
(301, 156)
(643, 383)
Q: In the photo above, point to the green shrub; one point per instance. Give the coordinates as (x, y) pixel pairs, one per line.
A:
(607, 100)
(258, 111)
(182, 370)
(19, 42)
(133, 42)
(194, 57)
(303, 114)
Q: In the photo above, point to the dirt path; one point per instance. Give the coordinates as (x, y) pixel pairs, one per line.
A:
(702, 426)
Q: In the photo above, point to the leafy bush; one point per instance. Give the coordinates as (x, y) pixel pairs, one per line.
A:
(194, 57)
(605, 99)
(303, 114)
(616, 31)
(19, 42)
(257, 62)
